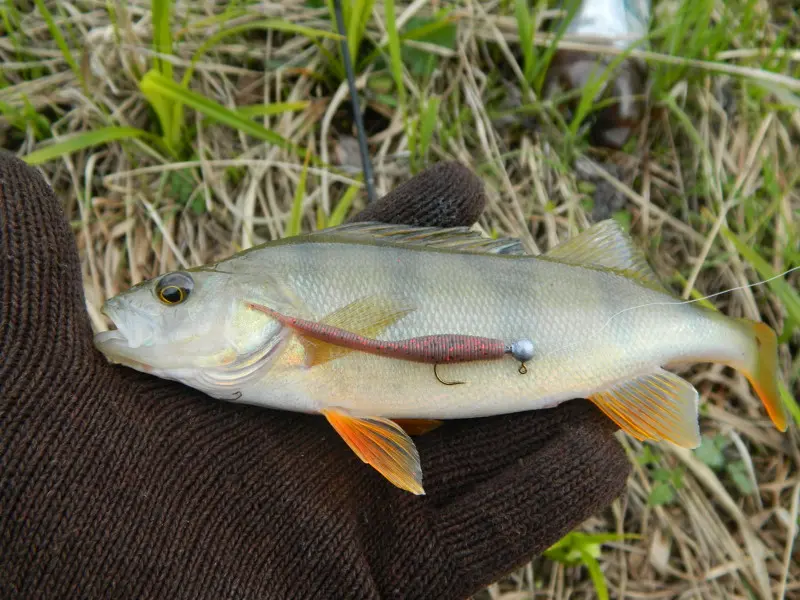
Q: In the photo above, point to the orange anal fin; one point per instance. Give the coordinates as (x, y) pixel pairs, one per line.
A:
(418, 426)
(382, 444)
(658, 406)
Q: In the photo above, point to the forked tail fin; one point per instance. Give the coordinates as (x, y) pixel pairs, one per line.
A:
(763, 372)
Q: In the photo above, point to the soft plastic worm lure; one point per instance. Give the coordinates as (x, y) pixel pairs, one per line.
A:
(431, 349)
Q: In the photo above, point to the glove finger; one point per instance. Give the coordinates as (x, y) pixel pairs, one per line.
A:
(43, 317)
(504, 521)
(445, 195)
(463, 454)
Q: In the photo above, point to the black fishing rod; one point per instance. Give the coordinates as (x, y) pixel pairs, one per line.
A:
(366, 163)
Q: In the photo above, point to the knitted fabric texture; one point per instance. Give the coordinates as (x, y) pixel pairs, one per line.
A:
(117, 484)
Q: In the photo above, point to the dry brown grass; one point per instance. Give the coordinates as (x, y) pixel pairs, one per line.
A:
(725, 158)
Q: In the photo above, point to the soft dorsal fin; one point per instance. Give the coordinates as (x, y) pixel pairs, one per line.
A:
(462, 239)
(606, 245)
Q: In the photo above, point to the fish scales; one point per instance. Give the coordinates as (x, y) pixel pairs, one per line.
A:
(556, 305)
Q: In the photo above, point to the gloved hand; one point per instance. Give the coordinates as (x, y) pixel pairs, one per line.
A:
(117, 484)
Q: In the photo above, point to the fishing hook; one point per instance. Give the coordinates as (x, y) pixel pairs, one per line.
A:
(442, 381)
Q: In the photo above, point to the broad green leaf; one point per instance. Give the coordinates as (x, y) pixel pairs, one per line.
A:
(181, 185)
(661, 474)
(709, 452)
(83, 140)
(662, 493)
(439, 32)
(738, 472)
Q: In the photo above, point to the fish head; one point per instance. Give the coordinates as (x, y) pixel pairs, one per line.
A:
(194, 326)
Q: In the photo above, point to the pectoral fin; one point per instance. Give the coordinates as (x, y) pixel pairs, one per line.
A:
(659, 406)
(383, 444)
(367, 316)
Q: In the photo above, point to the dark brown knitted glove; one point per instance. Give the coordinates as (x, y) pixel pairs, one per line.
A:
(115, 484)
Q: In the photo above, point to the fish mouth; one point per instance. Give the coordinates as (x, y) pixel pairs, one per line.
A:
(114, 332)
(115, 344)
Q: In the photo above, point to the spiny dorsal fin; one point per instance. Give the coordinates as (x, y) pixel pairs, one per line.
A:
(606, 245)
(461, 239)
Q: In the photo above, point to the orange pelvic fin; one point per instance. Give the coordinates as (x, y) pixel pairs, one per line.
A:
(418, 426)
(658, 406)
(382, 444)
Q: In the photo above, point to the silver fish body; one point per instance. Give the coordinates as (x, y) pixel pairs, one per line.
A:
(602, 327)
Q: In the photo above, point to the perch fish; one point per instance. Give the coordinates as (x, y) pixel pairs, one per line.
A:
(386, 329)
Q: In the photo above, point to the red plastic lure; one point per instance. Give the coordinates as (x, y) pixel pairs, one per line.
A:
(432, 349)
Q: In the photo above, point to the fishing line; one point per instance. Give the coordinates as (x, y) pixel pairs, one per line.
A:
(676, 303)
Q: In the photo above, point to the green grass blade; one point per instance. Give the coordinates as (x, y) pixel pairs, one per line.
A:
(525, 27)
(690, 129)
(339, 213)
(59, 39)
(591, 90)
(162, 36)
(596, 574)
(83, 140)
(229, 14)
(542, 65)
(266, 110)
(165, 111)
(789, 402)
(788, 296)
(296, 218)
(429, 119)
(155, 84)
(274, 24)
(395, 57)
(357, 26)
(695, 293)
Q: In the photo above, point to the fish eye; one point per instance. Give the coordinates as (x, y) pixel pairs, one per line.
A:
(174, 288)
